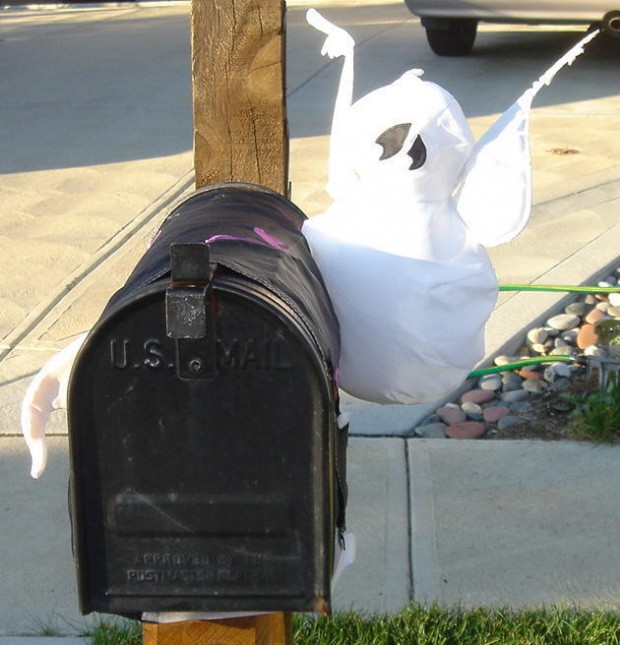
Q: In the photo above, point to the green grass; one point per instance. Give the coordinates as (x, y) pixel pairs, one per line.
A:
(126, 632)
(435, 626)
(596, 416)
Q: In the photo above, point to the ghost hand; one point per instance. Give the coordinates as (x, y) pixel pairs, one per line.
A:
(46, 393)
(338, 42)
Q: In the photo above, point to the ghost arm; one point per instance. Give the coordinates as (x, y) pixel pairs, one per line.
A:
(494, 197)
(46, 393)
(338, 43)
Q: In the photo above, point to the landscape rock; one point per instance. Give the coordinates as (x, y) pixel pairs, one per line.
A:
(504, 360)
(537, 335)
(451, 414)
(472, 410)
(577, 309)
(586, 336)
(561, 369)
(511, 381)
(529, 373)
(515, 395)
(534, 386)
(595, 314)
(477, 396)
(563, 321)
(491, 382)
(570, 336)
(466, 430)
(561, 384)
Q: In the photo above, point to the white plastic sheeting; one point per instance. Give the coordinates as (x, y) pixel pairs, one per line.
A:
(401, 248)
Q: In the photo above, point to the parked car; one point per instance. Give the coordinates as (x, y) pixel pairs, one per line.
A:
(451, 25)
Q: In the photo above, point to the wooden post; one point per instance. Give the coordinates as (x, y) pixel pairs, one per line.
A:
(240, 129)
(240, 134)
(269, 629)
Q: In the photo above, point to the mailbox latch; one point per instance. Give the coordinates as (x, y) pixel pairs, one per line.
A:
(189, 311)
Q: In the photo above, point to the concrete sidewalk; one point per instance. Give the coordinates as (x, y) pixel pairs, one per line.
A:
(86, 178)
(43, 640)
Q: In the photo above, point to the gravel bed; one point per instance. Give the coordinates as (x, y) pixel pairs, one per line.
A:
(530, 401)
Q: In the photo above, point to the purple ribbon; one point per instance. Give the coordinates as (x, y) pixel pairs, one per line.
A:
(265, 239)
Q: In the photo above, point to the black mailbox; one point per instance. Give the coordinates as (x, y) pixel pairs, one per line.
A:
(207, 463)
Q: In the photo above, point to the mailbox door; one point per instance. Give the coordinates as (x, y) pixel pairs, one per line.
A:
(206, 493)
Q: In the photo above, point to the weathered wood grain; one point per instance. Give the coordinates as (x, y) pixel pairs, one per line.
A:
(238, 69)
(268, 629)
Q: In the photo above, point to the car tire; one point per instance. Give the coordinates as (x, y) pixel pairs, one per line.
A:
(450, 36)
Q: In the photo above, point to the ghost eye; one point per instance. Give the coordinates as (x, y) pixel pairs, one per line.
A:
(417, 152)
(392, 140)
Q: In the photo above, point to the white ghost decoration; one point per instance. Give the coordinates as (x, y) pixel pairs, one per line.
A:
(400, 249)
(47, 392)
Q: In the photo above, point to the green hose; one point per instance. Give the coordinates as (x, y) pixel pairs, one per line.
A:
(558, 287)
(509, 367)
